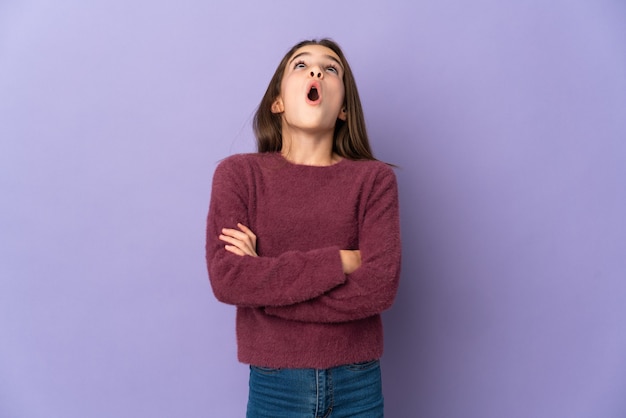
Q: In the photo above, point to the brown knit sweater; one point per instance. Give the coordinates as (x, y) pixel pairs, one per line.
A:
(295, 306)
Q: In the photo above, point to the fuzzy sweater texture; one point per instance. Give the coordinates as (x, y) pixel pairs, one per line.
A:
(295, 306)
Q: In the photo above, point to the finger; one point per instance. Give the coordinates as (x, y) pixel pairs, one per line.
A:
(250, 237)
(234, 241)
(234, 233)
(240, 235)
(234, 250)
(230, 240)
(237, 247)
(242, 246)
(246, 230)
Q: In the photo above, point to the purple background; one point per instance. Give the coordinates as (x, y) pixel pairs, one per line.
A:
(508, 120)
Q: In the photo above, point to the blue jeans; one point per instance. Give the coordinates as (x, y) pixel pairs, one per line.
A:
(353, 390)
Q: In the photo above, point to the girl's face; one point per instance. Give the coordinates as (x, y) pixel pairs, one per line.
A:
(312, 91)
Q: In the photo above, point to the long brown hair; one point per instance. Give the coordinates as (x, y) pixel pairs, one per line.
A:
(350, 137)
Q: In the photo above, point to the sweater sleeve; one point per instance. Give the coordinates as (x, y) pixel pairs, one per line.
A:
(291, 277)
(371, 288)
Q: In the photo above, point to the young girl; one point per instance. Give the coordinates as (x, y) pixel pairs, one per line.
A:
(303, 237)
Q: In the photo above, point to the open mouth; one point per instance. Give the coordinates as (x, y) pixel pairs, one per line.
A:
(313, 94)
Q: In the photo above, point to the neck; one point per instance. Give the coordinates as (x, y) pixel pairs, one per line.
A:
(308, 149)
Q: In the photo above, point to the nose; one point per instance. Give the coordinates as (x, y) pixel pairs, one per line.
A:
(316, 74)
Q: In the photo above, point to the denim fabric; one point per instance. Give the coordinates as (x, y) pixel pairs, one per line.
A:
(353, 390)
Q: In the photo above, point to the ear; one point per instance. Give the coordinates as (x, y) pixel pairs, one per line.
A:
(343, 114)
(278, 106)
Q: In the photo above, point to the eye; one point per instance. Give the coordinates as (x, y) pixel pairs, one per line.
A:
(299, 64)
(331, 68)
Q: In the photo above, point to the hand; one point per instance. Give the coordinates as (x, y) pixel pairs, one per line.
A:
(350, 260)
(240, 241)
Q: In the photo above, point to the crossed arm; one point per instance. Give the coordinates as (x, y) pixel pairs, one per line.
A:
(367, 291)
(242, 242)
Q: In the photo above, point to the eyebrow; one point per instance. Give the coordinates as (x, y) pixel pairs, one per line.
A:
(308, 53)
